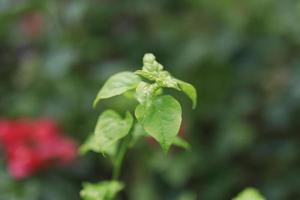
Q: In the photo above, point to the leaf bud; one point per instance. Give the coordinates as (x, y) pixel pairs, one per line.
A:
(148, 58)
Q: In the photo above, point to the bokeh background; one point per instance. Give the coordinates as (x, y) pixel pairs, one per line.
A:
(242, 56)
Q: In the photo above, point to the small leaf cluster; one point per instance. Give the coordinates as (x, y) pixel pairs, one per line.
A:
(159, 115)
(156, 115)
(105, 190)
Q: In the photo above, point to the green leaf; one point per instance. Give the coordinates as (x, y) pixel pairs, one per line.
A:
(145, 91)
(92, 144)
(189, 90)
(106, 190)
(117, 85)
(249, 194)
(110, 129)
(161, 119)
(137, 133)
(166, 80)
(152, 76)
(181, 143)
(162, 78)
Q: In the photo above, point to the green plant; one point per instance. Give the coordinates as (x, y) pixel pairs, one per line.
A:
(157, 115)
(249, 194)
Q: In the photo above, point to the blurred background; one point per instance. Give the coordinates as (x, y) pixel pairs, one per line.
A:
(242, 56)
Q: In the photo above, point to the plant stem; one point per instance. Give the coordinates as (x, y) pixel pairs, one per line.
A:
(120, 157)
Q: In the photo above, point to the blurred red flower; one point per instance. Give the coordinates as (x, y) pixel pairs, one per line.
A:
(32, 145)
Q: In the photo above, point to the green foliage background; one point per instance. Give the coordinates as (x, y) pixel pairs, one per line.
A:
(242, 56)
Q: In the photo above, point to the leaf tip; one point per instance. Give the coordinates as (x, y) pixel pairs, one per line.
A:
(149, 58)
(165, 147)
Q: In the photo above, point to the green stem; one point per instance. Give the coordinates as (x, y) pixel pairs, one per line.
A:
(120, 157)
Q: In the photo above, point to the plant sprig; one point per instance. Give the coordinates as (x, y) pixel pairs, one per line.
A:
(157, 115)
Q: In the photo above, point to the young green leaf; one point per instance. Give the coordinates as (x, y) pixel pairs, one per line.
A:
(153, 71)
(150, 63)
(181, 143)
(151, 76)
(249, 194)
(106, 190)
(111, 128)
(161, 119)
(92, 144)
(165, 79)
(189, 90)
(117, 85)
(144, 91)
(162, 78)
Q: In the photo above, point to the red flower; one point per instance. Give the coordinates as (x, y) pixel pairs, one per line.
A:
(33, 145)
